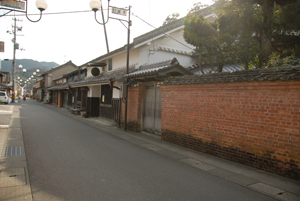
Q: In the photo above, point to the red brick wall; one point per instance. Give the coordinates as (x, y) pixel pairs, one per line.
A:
(134, 108)
(254, 123)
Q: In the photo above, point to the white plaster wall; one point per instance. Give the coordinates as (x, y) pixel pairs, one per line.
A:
(94, 91)
(49, 79)
(63, 70)
(116, 92)
(118, 61)
(149, 55)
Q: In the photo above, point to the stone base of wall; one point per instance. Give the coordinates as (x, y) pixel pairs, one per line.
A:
(266, 162)
(133, 126)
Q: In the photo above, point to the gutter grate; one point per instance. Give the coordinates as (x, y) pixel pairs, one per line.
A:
(13, 151)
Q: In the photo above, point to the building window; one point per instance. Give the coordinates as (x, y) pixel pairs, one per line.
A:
(109, 64)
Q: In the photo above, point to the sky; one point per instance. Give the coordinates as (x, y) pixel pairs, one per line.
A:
(77, 36)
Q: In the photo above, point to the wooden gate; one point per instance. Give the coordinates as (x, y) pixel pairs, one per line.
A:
(110, 111)
(65, 99)
(151, 118)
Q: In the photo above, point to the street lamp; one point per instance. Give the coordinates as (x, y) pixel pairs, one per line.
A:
(41, 5)
(24, 70)
(95, 6)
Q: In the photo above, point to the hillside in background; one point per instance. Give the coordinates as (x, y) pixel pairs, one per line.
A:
(28, 64)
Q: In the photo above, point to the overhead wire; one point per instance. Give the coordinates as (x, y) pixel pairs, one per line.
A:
(164, 32)
(86, 11)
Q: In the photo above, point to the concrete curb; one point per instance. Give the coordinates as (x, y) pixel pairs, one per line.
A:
(14, 177)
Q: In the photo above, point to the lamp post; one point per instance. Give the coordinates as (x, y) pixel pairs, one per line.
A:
(95, 6)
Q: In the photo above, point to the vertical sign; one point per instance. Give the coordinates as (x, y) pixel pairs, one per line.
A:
(1, 46)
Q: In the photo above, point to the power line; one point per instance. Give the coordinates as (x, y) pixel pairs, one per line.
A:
(163, 33)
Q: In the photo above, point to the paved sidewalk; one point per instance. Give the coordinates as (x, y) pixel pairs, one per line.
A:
(275, 186)
(14, 179)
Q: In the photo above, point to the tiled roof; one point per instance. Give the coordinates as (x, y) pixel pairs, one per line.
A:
(4, 72)
(103, 77)
(3, 86)
(152, 69)
(268, 74)
(59, 87)
(195, 69)
(58, 67)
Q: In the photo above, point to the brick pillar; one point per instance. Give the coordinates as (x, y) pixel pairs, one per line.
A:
(134, 108)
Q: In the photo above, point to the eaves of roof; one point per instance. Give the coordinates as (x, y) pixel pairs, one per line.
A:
(58, 78)
(59, 67)
(103, 78)
(3, 86)
(195, 69)
(59, 87)
(4, 72)
(267, 74)
(160, 68)
(71, 72)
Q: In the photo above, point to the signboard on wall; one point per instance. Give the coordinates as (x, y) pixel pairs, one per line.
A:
(119, 11)
(1, 46)
(13, 4)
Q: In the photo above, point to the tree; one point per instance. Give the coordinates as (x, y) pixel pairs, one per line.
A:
(260, 26)
(238, 18)
(171, 18)
(286, 35)
(212, 46)
(267, 7)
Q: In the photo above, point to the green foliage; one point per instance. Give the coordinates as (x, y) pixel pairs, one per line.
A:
(255, 32)
(171, 18)
(213, 46)
(260, 28)
(237, 19)
(276, 61)
(286, 38)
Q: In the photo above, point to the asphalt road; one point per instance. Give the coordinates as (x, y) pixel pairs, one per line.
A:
(69, 160)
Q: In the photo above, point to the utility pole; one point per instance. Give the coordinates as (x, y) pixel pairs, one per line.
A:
(16, 46)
